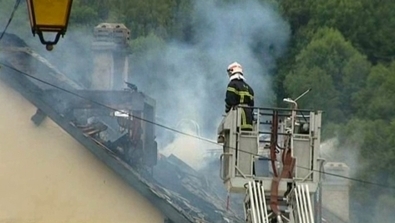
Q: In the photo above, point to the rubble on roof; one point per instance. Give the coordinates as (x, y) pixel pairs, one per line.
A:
(197, 187)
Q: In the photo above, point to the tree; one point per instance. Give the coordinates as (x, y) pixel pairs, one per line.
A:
(167, 19)
(83, 14)
(376, 101)
(143, 17)
(327, 64)
(297, 13)
(374, 38)
(374, 142)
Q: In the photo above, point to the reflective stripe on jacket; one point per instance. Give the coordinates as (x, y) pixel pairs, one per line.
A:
(239, 92)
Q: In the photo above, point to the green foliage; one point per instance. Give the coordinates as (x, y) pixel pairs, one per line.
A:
(144, 17)
(376, 101)
(327, 65)
(145, 44)
(83, 15)
(368, 24)
(374, 141)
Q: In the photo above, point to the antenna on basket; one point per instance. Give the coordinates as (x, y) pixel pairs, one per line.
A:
(304, 93)
(293, 101)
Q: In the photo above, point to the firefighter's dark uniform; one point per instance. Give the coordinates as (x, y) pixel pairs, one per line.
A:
(240, 93)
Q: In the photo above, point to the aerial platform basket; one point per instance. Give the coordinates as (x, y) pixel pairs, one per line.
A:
(261, 154)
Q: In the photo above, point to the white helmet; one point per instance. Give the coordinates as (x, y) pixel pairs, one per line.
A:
(234, 68)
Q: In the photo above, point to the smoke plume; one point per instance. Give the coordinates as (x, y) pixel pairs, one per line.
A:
(189, 80)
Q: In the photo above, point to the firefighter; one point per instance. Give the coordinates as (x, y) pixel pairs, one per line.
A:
(239, 92)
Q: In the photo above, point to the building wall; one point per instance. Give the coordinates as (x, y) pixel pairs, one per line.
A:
(335, 191)
(335, 200)
(102, 76)
(46, 176)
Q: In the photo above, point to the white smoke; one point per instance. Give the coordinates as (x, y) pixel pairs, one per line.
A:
(332, 151)
(189, 80)
(190, 150)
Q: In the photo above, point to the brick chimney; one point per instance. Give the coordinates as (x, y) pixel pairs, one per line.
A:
(335, 190)
(110, 56)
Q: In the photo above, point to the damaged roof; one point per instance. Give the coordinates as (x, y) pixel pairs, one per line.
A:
(181, 193)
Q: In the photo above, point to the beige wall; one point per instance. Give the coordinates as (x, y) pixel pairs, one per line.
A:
(46, 176)
(102, 76)
(335, 198)
(335, 190)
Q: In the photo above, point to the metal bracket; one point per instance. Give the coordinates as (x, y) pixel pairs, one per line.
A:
(308, 175)
(221, 164)
(241, 173)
